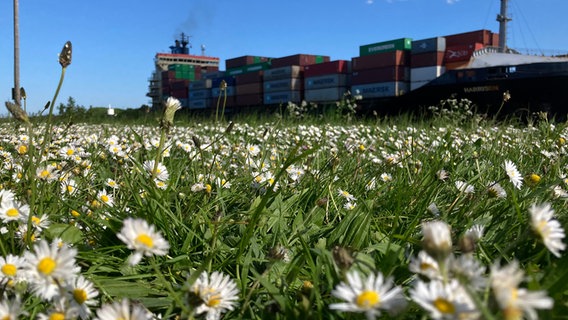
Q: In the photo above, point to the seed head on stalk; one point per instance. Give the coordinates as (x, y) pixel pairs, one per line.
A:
(17, 112)
(66, 55)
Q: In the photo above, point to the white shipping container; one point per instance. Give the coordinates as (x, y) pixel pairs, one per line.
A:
(325, 94)
(426, 73)
(282, 97)
(381, 89)
(325, 81)
(283, 73)
(288, 84)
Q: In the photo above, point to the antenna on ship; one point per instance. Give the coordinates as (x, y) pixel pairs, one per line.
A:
(203, 50)
(503, 20)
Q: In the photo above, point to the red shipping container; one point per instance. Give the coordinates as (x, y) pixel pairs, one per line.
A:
(298, 60)
(168, 74)
(495, 41)
(249, 77)
(388, 74)
(427, 59)
(381, 60)
(320, 69)
(461, 52)
(484, 37)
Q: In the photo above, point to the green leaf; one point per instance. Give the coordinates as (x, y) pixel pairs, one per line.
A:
(67, 233)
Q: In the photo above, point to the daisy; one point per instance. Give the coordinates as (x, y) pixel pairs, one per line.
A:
(68, 187)
(82, 296)
(106, 198)
(437, 239)
(547, 228)
(120, 310)
(512, 300)
(6, 196)
(346, 195)
(425, 265)
(349, 205)
(513, 174)
(496, 191)
(161, 172)
(369, 295)
(141, 237)
(386, 177)
(443, 301)
(11, 270)
(14, 211)
(464, 187)
(10, 309)
(217, 293)
(48, 265)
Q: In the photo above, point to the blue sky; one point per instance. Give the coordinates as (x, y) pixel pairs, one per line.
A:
(115, 41)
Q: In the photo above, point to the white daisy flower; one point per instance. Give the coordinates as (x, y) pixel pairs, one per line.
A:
(370, 295)
(11, 268)
(443, 301)
(515, 301)
(11, 309)
(161, 170)
(346, 195)
(106, 198)
(464, 187)
(218, 293)
(437, 239)
(513, 174)
(82, 296)
(496, 191)
(425, 265)
(123, 309)
(141, 237)
(547, 228)
(14, 211)
(49, 265)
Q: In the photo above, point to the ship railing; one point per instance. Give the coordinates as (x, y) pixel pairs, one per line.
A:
(523, 51)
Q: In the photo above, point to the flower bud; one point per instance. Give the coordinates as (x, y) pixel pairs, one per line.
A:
(65, 55)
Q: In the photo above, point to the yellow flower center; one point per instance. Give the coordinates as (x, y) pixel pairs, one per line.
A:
(105, 198)
(534, 178)
(80, 296)
(46, 266)
(444, 306)
(145, 240)
(75, 213)
(35, 220)
(70, 152)
(9, 269)
(22, 149)
(12, 212)
(57, 316)
(368, 299)
(70, 188)
(208, 188)
(44, 174)
(426, 266)
(214, 300)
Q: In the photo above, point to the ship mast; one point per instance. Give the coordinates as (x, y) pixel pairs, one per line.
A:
(503, 19)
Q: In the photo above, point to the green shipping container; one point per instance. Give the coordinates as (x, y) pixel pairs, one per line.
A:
(385, 46)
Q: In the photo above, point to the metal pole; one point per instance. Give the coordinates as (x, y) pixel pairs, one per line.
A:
(16, 91)
(503, 19)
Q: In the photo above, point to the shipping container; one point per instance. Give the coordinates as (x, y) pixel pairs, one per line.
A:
(461, 52)
(248, 68)
(243, 61)
(216, 82)
(249, 99)
(200, 84)
(428, 45)
(298, 60)
(199, 94)
(283, 97)
(199, 104)
(213, 74)
(387, 74)
(216, 92)
(427, 59)
(324, 68)
(381, 89)
(380, 60)
(426, 73)
(385, 46)
(485, 37)
(250, 77)
(284, 72)
(325, 94)
(325, 81)
(289, 84)
(249, 88)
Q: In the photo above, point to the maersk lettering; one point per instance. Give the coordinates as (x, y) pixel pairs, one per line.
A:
(481, 89)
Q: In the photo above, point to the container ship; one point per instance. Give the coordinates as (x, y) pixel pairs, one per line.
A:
(390, 76)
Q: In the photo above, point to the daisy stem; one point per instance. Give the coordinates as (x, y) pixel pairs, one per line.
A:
(167, 285)
(159, 152)
(47, 137)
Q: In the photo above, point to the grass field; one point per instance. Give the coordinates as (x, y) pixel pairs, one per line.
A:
(292, 217)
